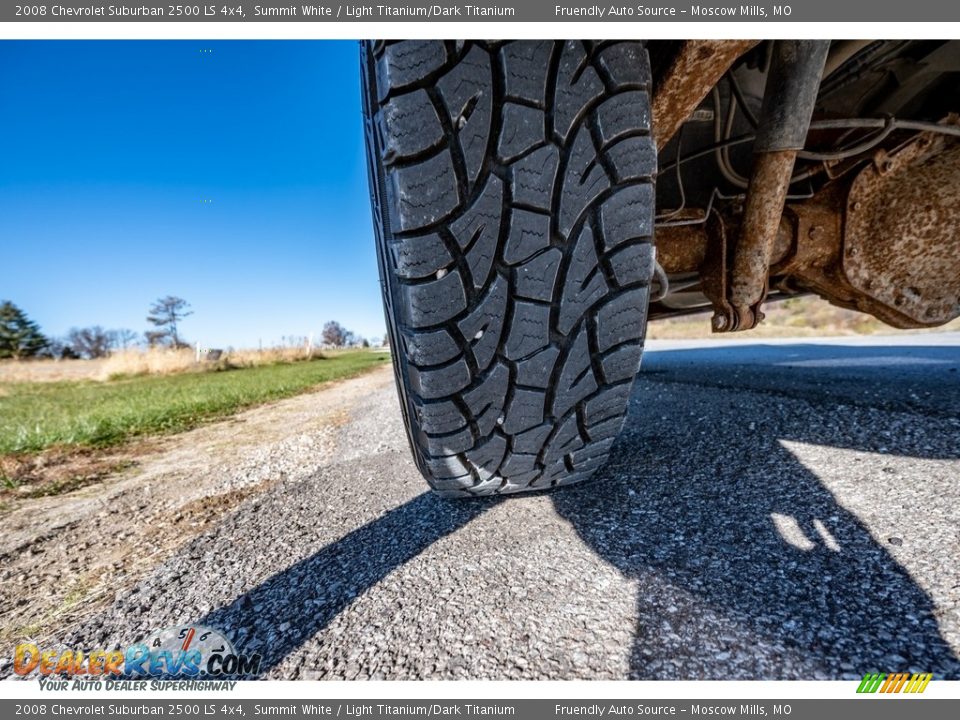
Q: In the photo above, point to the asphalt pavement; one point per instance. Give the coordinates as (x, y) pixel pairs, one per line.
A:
(773, 509)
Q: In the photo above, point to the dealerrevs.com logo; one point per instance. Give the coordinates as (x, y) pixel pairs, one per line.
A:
(185, 651)
(894, 683)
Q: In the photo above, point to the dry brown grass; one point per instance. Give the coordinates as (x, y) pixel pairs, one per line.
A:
(48, 370)
(807, 316)
(163, 361)
(252, 358)
(155, 361)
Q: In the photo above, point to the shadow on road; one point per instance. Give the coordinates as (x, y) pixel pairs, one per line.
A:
(741, 533)
(732, 517)
(304, 598)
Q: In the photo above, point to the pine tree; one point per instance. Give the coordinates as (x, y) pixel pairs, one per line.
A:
(20, 337)
(165, 315)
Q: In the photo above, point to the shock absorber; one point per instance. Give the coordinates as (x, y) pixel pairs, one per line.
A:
(791, 91)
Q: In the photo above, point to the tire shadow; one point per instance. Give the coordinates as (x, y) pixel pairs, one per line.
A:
(735, 544)
(745, 563)
(305, 597)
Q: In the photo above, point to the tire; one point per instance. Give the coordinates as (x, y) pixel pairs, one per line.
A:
(513, 199)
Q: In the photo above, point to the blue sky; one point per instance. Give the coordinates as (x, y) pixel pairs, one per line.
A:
(108, 151)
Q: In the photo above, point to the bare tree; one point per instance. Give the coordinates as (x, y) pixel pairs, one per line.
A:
(89, 342)
(165, 315)
(122, 338)
(293, 341)
(335, 334)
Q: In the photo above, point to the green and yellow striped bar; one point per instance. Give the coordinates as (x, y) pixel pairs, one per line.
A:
(894, 682)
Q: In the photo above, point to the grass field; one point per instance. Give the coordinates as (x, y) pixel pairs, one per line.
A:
(37, 416)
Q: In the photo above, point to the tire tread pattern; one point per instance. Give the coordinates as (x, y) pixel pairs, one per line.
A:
(512, 186)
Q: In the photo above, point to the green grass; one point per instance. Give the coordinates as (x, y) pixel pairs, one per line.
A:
(37, 416)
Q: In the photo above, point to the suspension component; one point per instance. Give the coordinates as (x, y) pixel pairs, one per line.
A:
(694, 71)
(883, 238)
(789, 98)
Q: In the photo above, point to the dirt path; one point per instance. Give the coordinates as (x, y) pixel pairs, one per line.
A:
(62, 557)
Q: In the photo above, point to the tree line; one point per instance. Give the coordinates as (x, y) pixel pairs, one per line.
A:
(21, 337)
(336, 335)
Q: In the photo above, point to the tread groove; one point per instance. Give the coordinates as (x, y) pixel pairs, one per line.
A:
(540, 329)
